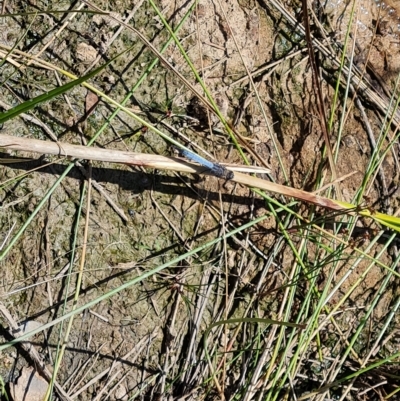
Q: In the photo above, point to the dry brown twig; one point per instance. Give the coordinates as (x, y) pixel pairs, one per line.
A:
(156, 162)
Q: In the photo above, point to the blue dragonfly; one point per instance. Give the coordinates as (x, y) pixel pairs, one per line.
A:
(215, 168)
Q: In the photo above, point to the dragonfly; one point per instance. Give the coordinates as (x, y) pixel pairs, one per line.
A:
(216, 169)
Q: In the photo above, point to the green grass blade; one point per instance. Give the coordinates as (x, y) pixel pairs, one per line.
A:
(30, 104)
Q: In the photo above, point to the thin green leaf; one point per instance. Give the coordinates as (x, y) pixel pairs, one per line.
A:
(30, 104)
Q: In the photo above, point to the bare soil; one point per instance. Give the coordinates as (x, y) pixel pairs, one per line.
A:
(142, 331)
